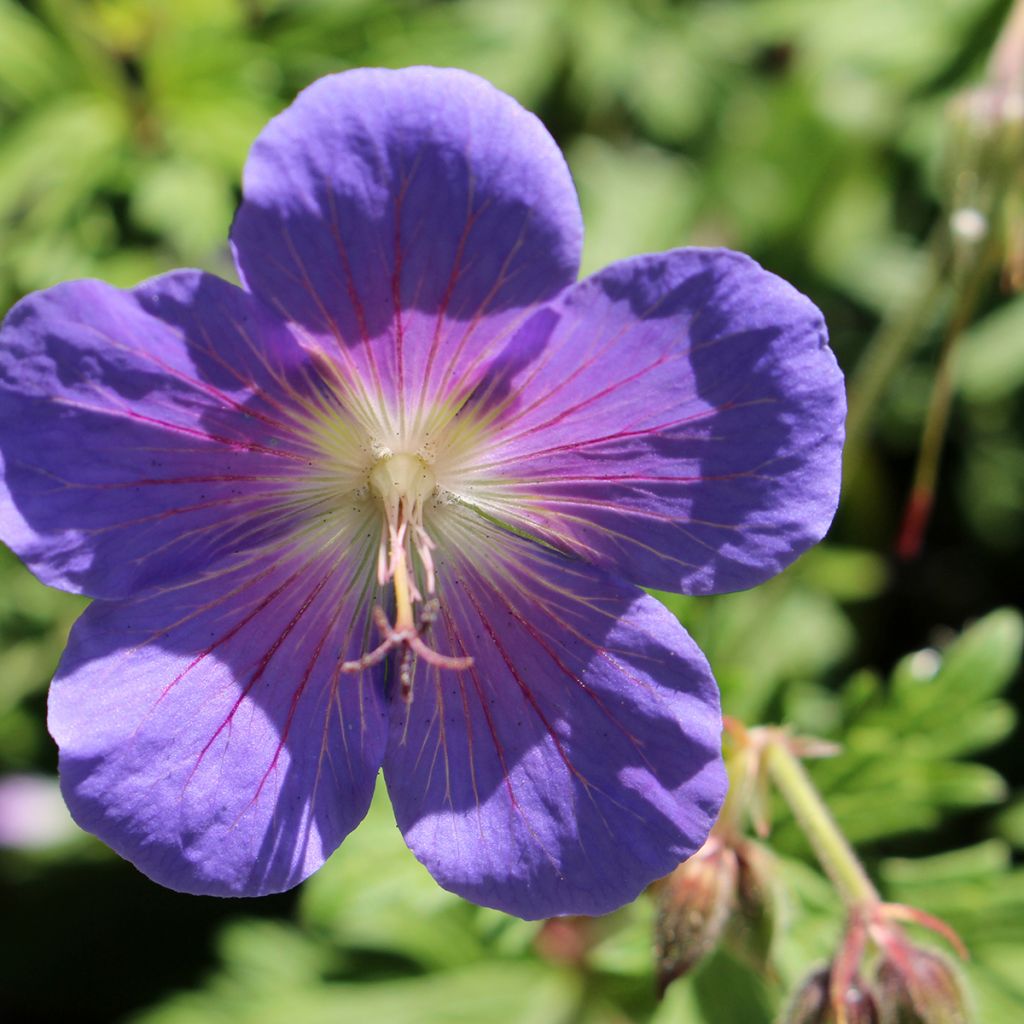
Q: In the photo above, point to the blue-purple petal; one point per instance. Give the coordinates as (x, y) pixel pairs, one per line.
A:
(206, 733)
(406, 219)
(144, 434)
(577, 760)
(682, 425)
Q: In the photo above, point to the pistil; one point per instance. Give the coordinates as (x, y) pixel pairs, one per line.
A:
(404, 618)
(404, 483)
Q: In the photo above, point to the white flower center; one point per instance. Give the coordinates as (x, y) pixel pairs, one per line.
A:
(404, 483)
(402, 480)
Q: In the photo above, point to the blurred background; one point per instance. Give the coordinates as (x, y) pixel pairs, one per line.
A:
(867, 150)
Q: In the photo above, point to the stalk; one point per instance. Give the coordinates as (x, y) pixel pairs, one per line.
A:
(830, 846)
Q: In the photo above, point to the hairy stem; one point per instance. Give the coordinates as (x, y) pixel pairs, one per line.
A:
(830, 846)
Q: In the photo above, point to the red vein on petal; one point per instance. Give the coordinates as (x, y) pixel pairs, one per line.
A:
(234, 631)
(178, 428)
(353, 296)
(260, 670)
(396, 299)
(542, 642)
(294, 703)
(589, 400)
(523, 687)
(193, 382)
(453, 277)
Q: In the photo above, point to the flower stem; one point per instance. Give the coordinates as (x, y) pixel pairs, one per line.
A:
(830, 845)
(729, 824)
(884, 355)
(933, 435)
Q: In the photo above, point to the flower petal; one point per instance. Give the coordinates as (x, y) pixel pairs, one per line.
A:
(577, 760)
(396, 215)
(143, 433)
(206, 732)
(682, 426)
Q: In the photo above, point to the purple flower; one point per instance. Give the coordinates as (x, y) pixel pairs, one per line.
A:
(392, 504)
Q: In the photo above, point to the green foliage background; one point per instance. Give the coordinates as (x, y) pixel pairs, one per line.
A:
(812, 134)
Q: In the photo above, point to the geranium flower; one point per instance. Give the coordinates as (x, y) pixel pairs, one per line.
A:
(391, 504)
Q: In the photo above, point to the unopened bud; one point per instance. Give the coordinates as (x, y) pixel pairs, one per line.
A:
(919, 986)
(814, 1003)
(694, 903)
(751, 928)
(986, 152)
(567, 940)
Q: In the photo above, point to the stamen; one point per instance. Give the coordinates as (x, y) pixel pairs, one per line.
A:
(403, 483)
(411, 642)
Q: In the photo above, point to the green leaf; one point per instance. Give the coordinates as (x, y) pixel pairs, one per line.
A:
(899, 770)
(856, 244)
(52, 158)
(32, 62)
(846, 573)
(990, 358)
(975, 891)
(514, 993)
(1010, 823)
(635, 198)
(374, 895)
(186, 202)
(728, 991)
(980, 663)
(991, 481)
(758, 639)
(271, 955)
(34, 622)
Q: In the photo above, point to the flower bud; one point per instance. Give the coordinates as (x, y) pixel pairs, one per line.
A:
(751, 928)
(813, 1002)
(567, 940)
(919, 986)
(694, 903)
(986, 149)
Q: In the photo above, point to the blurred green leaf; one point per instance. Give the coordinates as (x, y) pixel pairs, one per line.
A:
(858, 247)
(373, 894)
(522, 992)
(975, 891)
(844, 573)
(634, 198)
(34, 623)
(1010, 823)
(188, 203)
(790, 628)
(271, 955)
(54, 157)
(897, 771)
(991, 356)
(32, 64)
(992, 484)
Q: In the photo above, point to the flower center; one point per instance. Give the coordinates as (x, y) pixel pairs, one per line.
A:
(404, 484)
(402, 478)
